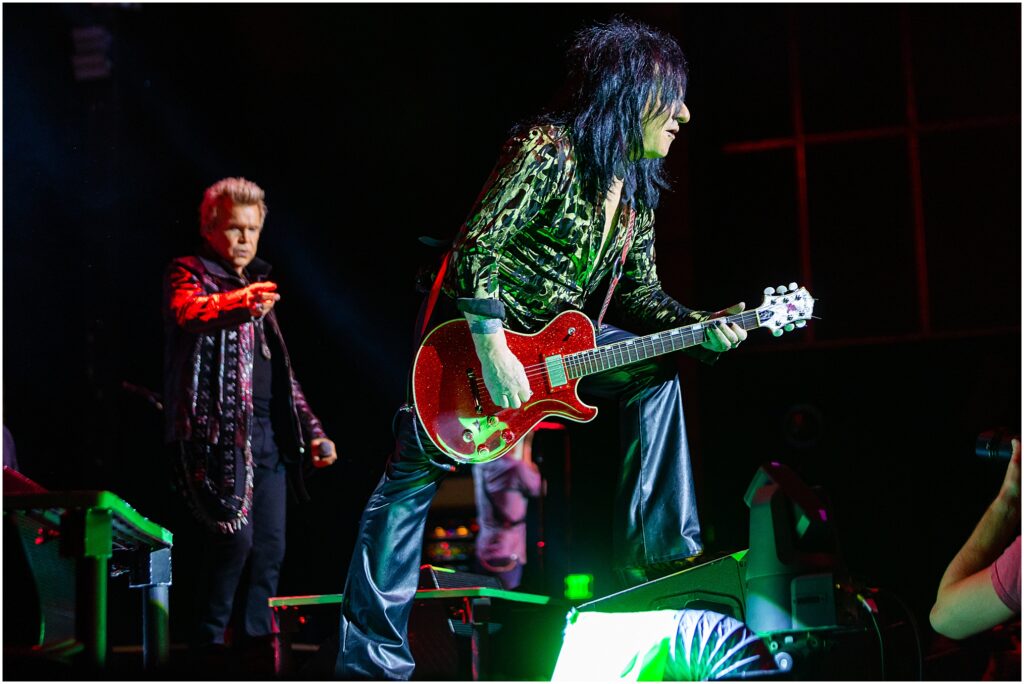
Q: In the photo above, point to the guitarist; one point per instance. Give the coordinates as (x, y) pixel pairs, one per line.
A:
(569, 206)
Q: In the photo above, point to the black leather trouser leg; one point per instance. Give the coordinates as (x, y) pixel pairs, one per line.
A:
(383, 574)
(655, 503)
(656, 521)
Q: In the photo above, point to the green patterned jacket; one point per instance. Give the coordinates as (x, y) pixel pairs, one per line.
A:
(533, 240)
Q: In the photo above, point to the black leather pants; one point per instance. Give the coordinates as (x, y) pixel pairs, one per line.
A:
(655, 504)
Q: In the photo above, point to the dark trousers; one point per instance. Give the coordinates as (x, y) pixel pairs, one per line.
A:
(261, 542)
(655, 504)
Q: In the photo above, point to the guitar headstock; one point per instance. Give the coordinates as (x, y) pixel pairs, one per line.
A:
(785, 308)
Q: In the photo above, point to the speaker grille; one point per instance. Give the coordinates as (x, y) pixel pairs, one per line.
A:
(433, 577)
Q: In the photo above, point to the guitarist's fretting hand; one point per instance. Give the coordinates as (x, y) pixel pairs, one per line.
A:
(503, 373)
(726, 337)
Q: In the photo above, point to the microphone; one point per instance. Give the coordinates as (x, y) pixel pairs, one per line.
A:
(995, 444)
(324, 449)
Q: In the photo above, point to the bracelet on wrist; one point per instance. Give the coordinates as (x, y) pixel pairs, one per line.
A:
(484, 306)
(484, 326)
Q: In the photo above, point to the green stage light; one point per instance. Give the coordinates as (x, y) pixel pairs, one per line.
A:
(579, 587)
(658, 645)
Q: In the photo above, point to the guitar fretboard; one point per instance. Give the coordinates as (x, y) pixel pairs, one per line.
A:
(636, 349)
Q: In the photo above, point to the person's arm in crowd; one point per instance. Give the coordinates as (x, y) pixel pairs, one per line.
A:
(967, 602)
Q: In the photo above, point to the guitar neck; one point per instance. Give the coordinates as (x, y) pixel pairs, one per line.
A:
(636, 349)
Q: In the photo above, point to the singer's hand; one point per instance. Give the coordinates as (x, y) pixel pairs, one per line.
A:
(1009, 493)
(320, 461)
(260, 298)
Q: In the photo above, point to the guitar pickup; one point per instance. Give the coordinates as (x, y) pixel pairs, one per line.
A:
(556, 371)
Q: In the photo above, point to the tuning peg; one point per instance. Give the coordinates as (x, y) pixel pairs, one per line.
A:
(777, 332)
(781, 289)
(789, 327)
(801, 324)
(792, 287)
(769, 290)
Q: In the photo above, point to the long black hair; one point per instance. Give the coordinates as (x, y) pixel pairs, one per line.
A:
(614, 70)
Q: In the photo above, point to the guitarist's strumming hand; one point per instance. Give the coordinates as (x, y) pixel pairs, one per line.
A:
(503, 373)
(726, 336)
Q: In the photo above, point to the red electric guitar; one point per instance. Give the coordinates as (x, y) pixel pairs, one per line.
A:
(455, 407)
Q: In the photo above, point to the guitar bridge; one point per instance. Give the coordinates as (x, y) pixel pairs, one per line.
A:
(474, 388)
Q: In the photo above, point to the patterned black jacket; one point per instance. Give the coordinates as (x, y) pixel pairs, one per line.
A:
(209, 342)
(533, 241)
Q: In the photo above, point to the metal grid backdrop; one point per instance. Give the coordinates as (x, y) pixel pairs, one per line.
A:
(897, 168)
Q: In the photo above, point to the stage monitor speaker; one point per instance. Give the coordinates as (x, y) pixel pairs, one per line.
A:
(433, 577)
(439, 634)
(717, 586)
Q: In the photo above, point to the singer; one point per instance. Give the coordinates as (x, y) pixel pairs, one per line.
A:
(237, 422)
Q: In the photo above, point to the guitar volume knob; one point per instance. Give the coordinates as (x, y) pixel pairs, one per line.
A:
(508, 435)
(467, 435)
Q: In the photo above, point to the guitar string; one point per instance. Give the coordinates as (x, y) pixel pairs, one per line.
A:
(599, 355)
(602, 353)
(606, 352)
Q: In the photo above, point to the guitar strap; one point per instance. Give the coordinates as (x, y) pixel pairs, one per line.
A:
(618, 266)
(435, 291)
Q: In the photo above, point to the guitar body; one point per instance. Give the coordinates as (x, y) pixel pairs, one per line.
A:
(454, 405)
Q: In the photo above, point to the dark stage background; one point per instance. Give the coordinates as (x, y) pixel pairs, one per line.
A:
(871, 153)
